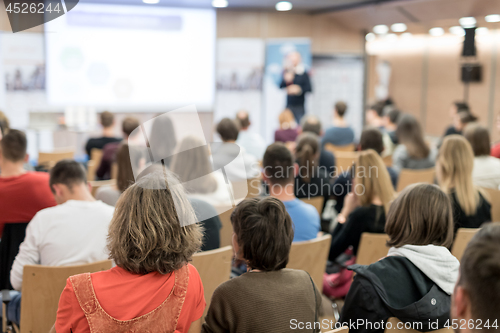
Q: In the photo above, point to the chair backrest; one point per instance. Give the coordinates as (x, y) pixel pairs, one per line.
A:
(98, 183)
(387, 160)
(50, 159)
(96, 155)
(343, 329)
(311, 256)
(317, 202)
(254, 187)
(226, 232)
(372, 247)
(345, 160)
(398, 326)
(409, 176)
(42, 287)
(215, 268)
(334, 149)
(462, 238)
(494, 199)
(91, 170)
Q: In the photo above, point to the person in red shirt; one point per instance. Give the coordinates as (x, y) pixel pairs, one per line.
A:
(152, 236)
(22, 195)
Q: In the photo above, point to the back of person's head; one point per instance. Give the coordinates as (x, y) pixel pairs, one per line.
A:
(129, 124)
(287, 119)
(125, 172)
(311, 124)
(278, 165)
(454, 171)
(477, 293)
(307, 154)
(371, 138)
(462, 118)
(69, 173)
(264, 233)
(393, 116)
(228, 130)
(340, 108)
(4, 123)
(377, 108)
(192, 165)
(479, 138)
(14, 145)
(107, 119)
(372, 179)
(421, 215)
(461, 106)
(153, 228)
(163, 139)
(409, 133)
(243, 119)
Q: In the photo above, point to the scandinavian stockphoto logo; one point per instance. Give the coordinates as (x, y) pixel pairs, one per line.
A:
(26, 14)
(174, 143)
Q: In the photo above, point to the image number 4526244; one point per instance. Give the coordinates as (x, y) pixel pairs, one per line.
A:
(27, 14)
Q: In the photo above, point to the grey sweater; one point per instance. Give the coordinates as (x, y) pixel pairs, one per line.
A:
(401, 160)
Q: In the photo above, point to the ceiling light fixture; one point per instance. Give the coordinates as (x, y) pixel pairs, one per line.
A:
(219, 3)
(151, 2)
(492, 18)
(284, 6)
(436, 32)
(482, 31)
(370, 36)
(381, 29)
(457, 30)
(467, 22)
(399, 27)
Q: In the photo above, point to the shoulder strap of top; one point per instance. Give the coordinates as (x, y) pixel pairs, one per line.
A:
(82, 286)
(181, 281)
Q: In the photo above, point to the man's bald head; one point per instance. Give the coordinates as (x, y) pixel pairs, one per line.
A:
(243, 118)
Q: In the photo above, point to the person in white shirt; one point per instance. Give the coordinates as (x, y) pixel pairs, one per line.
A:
(73, 232)
(486, 172)
(252, 142)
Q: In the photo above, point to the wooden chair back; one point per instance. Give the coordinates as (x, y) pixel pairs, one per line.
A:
(244, 189)
(311, 256)
(387, 160)
(345, 160)
(397, 326)
(343, 329)
(409, 176)
(95, 184)
(462, 238)
(93, 163)
(226, 232)
(316, 202)
(494, 199)
(214, 268)
(335, 149)
(50, 159)
(42, 287)
(95, 155)
(372, 248)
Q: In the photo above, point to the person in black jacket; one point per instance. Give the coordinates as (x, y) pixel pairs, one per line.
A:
(415, 281)
(297, 84)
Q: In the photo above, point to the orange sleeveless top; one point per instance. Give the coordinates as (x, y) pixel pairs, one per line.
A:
(163, 319)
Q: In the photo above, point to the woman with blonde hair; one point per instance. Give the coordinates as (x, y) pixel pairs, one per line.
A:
(413, 152)
(454, 173)
(366, 206)
(152, 237)
(288, 127)
(192, 165)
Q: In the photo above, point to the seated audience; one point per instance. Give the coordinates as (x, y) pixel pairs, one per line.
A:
(192, 165)
(412, 152)
(312, 180)
(252, 142)
(371, 138)
(226, 152)
(288, 130)
(486, 171)
(460, 120)
(124, 175)
(415, 281)
(273, 295)
(454, 174)
(340, 134)
(326, 158)
(211, 225)
(476, 299)
(72, 233)
(152, 237)
(374, 116)
(107, 123)
(495, 149)
(4, 123)
(110, 150)
(22, 195)
(455, 109)
(391, 119)
(279, 172)
(366, 206)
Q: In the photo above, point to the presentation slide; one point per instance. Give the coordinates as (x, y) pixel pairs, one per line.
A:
(121, 56)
